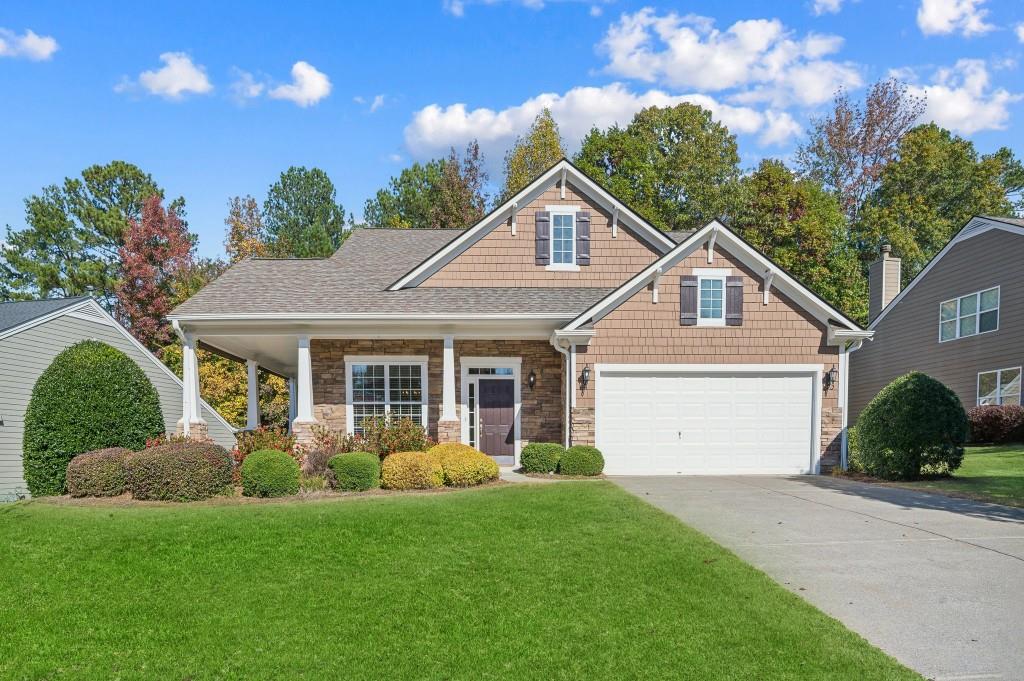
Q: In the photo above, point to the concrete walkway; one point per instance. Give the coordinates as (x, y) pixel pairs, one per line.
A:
(936, 582)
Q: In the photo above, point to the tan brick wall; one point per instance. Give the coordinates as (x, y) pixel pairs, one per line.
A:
(500, 259)
(639, 331)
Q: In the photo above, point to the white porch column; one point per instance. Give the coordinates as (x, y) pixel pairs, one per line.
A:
(252, 420)
(192, 422)
(292, 407)
(448, 382)
(304, 403)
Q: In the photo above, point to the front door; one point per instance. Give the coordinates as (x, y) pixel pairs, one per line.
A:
(497, 417)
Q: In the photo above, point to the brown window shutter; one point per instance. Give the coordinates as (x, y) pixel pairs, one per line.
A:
(734, 301)
(688, 300)
(542, 223)
(583, 237)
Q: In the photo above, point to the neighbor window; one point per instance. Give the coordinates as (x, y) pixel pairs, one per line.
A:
(969, 315)
(381, 388)
(999, 387)
(563, 238)
(712, 301)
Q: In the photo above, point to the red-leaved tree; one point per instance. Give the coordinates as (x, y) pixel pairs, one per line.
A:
(157, 250)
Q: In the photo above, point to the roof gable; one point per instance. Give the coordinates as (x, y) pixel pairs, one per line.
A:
(17, 314)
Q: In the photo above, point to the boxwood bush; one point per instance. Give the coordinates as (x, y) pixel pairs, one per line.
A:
(541, 457)
(180, 471)
(91, 397)
(464, 466)
(411, 470)
(270, 473)
(355, 471)
(103, 473)
(581, 460)
(913, 426)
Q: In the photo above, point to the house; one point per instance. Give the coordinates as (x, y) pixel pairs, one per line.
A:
(960, 320)
(561, 316)
(32, 333)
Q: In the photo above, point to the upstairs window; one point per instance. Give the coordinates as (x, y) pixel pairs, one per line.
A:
(711, 311)
(969, 315)
(999, 387)
(563, 238)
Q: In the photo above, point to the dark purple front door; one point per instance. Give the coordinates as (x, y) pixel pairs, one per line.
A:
(497, 417)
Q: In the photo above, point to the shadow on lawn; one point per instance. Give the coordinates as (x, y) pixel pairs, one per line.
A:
(913, 498)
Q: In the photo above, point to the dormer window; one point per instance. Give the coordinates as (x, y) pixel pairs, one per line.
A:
(563, 238)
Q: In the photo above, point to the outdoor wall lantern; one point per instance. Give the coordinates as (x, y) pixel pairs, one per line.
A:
(830, 378)
(531, 380)
(584, 377)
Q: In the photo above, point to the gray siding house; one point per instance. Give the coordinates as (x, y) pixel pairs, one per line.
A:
(961, 320)
(33, 333)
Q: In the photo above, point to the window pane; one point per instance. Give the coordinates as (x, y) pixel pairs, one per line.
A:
(472, 414)
(947, 330)
(413, 411)
(968, 326)
(711, 298)
(990, 299)
(562, 239)
(988, 321)
(947, 310)
(405, 383)
(1009, 386)
(368, 383)
(987, 388)
(361, 411)
(969, 304)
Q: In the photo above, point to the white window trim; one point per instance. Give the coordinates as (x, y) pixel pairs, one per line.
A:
(711, 273)
(514, 363)
(562, 266)
(977, 314)
(999, 383)
(387, 361)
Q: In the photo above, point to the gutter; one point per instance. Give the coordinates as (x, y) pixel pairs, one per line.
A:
(844, 398)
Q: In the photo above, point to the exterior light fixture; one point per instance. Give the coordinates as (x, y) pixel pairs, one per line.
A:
(830, 378)
(584, 377)
(531, 380)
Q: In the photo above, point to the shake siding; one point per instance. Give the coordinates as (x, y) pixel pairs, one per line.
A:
(500, 259)
(907, 339)
(24, 356)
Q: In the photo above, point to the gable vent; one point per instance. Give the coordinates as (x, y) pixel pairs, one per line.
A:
(89, 313)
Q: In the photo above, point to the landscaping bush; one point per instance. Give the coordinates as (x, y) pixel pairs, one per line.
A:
(853, 461)
(914, 425)
(91, 397)
(464, 466)
(581, 460)
(541, 457)
(181, 471)
(411, 470)
(102, 473)
(250, 441)
(355, 471)
(313, 483)
(270, 473)
(385, 435)
(997, 424)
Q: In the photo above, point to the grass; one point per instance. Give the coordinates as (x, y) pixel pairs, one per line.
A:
(993, 474)
(566, 581)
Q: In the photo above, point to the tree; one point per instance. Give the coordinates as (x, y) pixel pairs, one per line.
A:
(461, 200)
(848, 149)
(675, 166)
(246, 237)
(798, 224)
(935, 185)
(157, 249)
(70, 246)
(532, 155)
(301, 215)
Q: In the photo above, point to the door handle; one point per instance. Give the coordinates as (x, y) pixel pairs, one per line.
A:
(680, 434)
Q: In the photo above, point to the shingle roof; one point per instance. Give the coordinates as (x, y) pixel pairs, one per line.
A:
(1013, 221)
(16, 314)
(355, 279)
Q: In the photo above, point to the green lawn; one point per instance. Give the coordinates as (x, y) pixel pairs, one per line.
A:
(987, 474)
(574, 580)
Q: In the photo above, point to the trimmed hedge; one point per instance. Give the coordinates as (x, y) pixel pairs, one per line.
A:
(180, 471)
(270, 473)
(997, 424)
(102, 473)
(581, 460)
(464, 466)
(914, 425)
(355, 471)
(541, 457)
(91, 397)
(411, 470)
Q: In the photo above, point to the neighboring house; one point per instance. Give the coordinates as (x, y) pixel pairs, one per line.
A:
(961, 320)
(560, 316)
(32, 333)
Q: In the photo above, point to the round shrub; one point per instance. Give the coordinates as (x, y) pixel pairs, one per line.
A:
(581, 460)
(102, 473)
(541, 457)
(270, 473)
(914, 425)
(355, 471)
(464, 466)
(180, 471)
(411, 470)
(91, 397)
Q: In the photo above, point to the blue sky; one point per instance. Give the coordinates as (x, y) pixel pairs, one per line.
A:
(216, 99)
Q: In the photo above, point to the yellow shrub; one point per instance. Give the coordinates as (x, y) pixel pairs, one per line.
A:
(464, 466)
(411, 470)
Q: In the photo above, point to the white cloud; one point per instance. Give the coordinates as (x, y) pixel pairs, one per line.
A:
(961, 98)
(377, 103)
(939, 17)
(826, 7)
(759, 56)
(245, 86)
(178, 77)
(457, 8)
(308, 86)
(435, 128)
(28, 45)
(1020, 32)
(596, 10)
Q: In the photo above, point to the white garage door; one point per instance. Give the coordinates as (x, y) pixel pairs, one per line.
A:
(667, 422)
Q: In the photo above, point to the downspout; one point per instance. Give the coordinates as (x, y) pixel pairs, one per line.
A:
(844, 372)
(568, 385)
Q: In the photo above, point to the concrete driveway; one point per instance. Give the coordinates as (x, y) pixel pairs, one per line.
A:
(936, 582)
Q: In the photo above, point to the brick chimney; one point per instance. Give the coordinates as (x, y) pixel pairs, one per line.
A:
(883, 281)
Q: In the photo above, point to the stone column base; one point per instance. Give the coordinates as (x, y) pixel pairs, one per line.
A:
(582, 426)
(449, 431)
(198, 430)
(303, 431)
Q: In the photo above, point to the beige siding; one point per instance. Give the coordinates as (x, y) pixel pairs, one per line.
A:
(24, 356)
(907, 338)
(500, 259)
